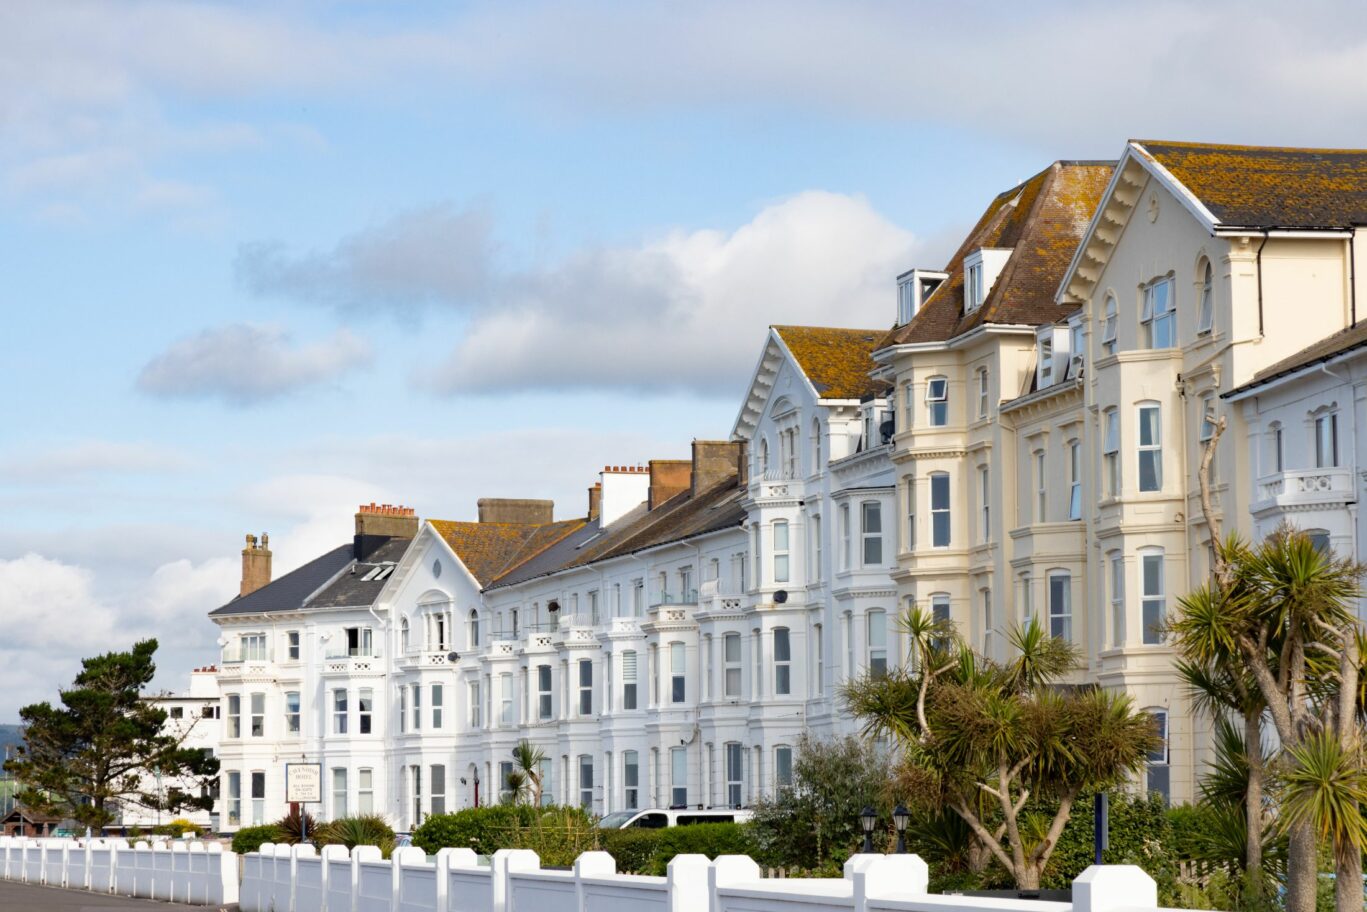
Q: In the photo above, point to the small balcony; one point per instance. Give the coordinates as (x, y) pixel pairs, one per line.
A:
(1301, 488)
(362, 662)
(678, 597)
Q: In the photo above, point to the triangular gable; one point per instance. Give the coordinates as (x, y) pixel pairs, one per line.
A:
(424, 544)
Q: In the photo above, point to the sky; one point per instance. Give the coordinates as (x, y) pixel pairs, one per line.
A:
(262, 263)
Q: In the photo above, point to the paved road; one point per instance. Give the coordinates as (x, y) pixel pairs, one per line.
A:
(53, 899)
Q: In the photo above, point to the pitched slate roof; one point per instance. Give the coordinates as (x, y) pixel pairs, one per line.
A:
(353, 589)
(1269, 187)
(1341, 342)
(836, 361)
(1041, 221)
(489, 550)
(288, 592)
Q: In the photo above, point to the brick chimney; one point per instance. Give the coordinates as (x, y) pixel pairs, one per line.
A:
(513, 510)
(714, 461)
(377, 522)
(256, 564)
(668, 477)
(595, 500)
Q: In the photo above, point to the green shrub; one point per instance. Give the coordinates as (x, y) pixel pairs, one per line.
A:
(710, 839)
(371, 830)
(178, 828)
(294, 827)
(249, 839)
(633, 848)
(558, 834)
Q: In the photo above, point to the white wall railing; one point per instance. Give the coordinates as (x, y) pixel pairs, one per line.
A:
(194, 873)
(300, 879)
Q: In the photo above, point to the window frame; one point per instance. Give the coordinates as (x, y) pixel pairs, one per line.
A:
(732, 666)
(1205, 310)
(1155, 321)
(1326, 421)
(982, 393)
(1110, 450)
(870, 538)
(941, 480)
(1074, 480)
(937, 404)
(1110, 319)
(782, 564)
(782, 648)
(1153, 449)
(1153, 603)
(1119, 622)
(1060, 621)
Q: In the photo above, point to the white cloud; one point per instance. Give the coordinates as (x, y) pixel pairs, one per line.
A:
(439, 254)
(244, 363)
(82, 458)
(686, 311)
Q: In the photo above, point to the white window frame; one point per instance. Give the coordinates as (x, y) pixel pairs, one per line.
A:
(1326, 427)
(782, 567)
(585, 676)
(1110, 450)
(1158, 315)
(1060, 604)
(1205, 313)
(1074, 480)
(365, 708)
(876, 637)
(783, 657)
(973, 287)
(1108, 326)
(678, 673)
(871, 533)
(631, 780)
(733, 753)
(678, 777)
(845, 536)
(1153, 597)
(732, 665)
(1116, 571)
(982, 392)
(256, 704)
(911, 512)
(234, 715)
(985, 506)
(937, 401)
(292, 712)
(940, 506)
(545, 699)
(1041, 487)
(365, 790)
(1152, 451)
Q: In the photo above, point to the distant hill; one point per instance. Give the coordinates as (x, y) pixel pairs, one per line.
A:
(9, 734)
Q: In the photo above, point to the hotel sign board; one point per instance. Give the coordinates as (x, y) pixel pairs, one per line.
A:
(303, 783)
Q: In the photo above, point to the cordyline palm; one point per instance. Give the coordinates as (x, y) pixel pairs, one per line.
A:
(1204, 635)
(527, 760)
(994, 736)
(1280, 613)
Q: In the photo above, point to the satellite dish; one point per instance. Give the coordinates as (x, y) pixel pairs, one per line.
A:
(780, 596)
(453, 657)
(553, 607)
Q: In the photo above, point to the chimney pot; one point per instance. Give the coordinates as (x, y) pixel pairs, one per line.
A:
(515, 510)
(256, 565)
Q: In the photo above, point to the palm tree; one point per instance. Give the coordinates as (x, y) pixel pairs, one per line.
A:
(990, 737)
(527, 761)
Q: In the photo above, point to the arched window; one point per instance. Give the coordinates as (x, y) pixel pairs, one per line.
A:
(763, 455)
(871, 532)
(1110, 451)
(403, 636)
(1061, 604)
(1158, 314)
(1205, 314)
(939, 509)
(1320, 539)
(783, 657)
(1326, 439)
(982, 392)
(877, 620)
(1156, 762)
(1108, 326)
(474, 627)
(1117, 565)
(816, 446)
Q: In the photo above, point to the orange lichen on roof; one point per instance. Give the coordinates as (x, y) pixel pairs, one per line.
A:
(1041, 221)
(836, 361)
(1269, 187)
(490, 550)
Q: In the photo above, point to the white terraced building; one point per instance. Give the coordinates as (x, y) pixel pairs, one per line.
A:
(668, 648)
(1023, 442)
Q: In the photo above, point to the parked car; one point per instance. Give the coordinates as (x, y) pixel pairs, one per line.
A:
(658, 819)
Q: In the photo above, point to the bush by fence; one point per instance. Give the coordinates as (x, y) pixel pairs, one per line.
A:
(249, 839)
(557, 834)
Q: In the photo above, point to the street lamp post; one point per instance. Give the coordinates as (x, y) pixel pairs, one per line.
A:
(868, 819)
(899, 820)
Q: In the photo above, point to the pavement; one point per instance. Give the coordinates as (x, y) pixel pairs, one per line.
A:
(30, 898)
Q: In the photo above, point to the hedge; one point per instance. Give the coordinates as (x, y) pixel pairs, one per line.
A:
(641, 851)
(557, 834)
(249, 839)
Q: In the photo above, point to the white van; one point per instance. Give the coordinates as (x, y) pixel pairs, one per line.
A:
(657, 819)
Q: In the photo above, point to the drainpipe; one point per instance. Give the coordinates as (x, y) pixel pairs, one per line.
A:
(1259, 261)
(1352, 279)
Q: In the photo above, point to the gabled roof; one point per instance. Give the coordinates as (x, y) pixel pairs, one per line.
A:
(353, 589)
(489, 550)
(836, 361)
(1041, 222)
(289, 592)
(1268, 187)
(1327, 349)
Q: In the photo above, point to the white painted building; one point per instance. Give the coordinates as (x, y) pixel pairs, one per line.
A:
(192, 719)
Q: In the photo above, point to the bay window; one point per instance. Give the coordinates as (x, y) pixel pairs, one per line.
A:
(1158, 316)
(871, 520)
(1061, 605)
(939, 509)
(1154, 598)
(783, 656)
(1150, 448)
(780, 551)
(937, 401)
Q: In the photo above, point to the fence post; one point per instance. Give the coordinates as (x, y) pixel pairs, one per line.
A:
(506, 861)
(297, 851)
(408, 855)
(1106, 887)
(444, 859)
(358, 855)
(880, 876)
(329, 853)
(729, 870)
(686, 879)
(590, 864)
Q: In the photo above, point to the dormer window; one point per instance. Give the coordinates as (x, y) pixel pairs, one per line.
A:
(913, 289)
(981, 268)
(1046, 362)
(1051, 355)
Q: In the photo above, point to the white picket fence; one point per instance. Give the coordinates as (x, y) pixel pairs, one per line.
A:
(200, 874)
(297, 879)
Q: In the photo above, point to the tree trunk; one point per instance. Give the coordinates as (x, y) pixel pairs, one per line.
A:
(1253, 802)
(1302, 870)
(1348, 882)
(1028, 877)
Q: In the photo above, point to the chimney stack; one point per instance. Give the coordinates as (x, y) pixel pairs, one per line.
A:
(595, 500)
(513, 510)
(256, 564)
(714, 461)
(377, 522)
(668, 478)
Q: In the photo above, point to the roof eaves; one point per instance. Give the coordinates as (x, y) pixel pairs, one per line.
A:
(1178, 189)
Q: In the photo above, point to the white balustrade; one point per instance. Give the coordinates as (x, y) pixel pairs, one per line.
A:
(281, 878)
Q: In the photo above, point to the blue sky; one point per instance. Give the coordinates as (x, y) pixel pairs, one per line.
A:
(267, 261)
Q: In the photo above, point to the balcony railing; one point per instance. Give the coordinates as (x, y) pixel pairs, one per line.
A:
(1308, 487)
(683, 597)
(239, 656)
